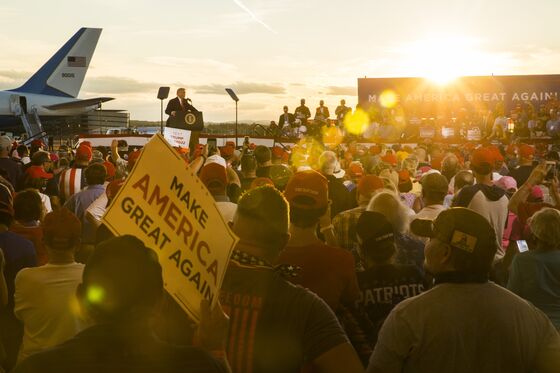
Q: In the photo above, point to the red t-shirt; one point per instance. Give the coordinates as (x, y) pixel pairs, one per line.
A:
(35, 235)
(325, 270)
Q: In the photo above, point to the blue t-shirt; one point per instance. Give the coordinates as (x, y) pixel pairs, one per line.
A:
(535, 276)
(18, 253)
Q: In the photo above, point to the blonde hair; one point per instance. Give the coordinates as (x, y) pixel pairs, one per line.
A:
(545, 225)
(390, 205)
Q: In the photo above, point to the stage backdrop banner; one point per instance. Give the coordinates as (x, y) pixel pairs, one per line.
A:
(426, 98)
(177, 137)
(171, 211)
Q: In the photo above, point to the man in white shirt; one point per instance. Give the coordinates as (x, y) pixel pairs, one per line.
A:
(45, 299)
(214, 176)
(434, 190)
(464, 323)
(484, 197)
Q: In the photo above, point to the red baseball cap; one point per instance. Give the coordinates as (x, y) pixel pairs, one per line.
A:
(113, 188)
(526, 151)
(132, 158)
(61, 228)
(227, 151)
(404, 176)
(497, 154)
(38, 172)
(278, 152)
(356, 169)
(369, 184)
(214, 176)
(309, 184)
(481, 156)
(536, 194)
(390, 158)
(39, 143)
(436, 163)
(111, 171)
(84, 153)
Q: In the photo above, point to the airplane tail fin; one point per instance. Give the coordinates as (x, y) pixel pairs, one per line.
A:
(64, 73)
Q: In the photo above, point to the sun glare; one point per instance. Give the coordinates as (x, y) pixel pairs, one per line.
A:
(442, 60)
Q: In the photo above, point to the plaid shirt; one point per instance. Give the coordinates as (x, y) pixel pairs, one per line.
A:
(345, 231)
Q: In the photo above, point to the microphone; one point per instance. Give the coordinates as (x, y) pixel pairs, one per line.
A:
(189, 101)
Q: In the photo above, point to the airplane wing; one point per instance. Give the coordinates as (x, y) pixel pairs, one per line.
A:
(78, 103)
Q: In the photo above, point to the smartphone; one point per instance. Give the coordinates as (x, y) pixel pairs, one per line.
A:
(246, 141)
(212, 145)
(522, 246)
(551, 170)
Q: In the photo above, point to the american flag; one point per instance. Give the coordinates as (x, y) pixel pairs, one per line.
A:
(76, 61)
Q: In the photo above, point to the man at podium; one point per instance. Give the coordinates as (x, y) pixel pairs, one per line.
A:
(180, 105)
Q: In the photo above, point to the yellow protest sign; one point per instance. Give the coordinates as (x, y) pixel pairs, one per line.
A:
(170, 210)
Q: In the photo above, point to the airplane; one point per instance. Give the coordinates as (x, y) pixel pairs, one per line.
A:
(52, 91)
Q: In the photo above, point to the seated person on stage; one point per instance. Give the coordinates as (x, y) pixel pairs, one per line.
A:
(178, 103)
(322, 113)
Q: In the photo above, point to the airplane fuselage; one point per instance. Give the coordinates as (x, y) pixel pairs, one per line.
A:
(39, 102)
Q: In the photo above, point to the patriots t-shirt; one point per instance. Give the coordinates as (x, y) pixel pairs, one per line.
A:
(382, 287)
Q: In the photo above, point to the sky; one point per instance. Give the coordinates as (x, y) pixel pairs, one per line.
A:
(274, 52)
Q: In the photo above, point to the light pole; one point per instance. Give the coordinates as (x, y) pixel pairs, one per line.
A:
(234, 97)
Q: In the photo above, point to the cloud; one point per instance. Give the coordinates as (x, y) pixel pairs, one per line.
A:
(118, 85)
(240, 88)
(14, 74)
(169, 61)
(341, 91)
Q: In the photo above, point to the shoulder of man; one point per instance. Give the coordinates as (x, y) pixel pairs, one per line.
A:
(466, 195)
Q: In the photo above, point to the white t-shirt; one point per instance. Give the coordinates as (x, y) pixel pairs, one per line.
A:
(45, 301)
(227, 209)
(46, 202)
(465, 328)
(429, 212)
(496, 212)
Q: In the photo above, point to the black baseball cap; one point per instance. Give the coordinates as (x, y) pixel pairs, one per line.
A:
(464, 230)
(374, 228)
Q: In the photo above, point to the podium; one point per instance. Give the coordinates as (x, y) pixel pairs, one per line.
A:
(187, 120)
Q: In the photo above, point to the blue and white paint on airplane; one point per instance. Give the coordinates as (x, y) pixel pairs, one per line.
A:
(52, 91)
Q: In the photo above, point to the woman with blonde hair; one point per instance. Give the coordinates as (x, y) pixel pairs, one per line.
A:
(535, 274)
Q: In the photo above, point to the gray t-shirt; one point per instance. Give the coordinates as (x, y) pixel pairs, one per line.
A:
(466, 328)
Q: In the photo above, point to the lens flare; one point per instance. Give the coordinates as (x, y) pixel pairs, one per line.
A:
(357, 122)
(332, 136)
(95, 294)
(306, 153)
(388, 99)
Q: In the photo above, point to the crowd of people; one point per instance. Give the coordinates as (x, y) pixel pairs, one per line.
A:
(395, 122)
(377, 258)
